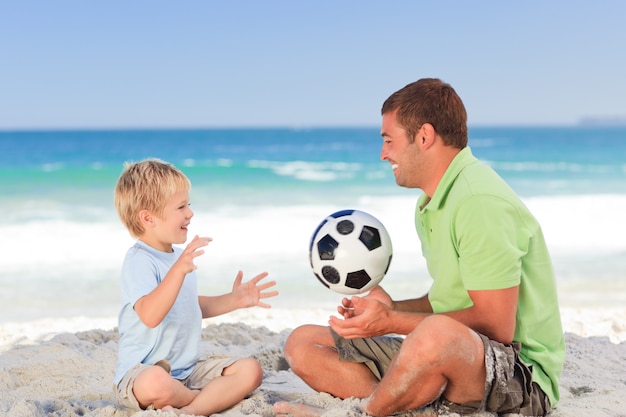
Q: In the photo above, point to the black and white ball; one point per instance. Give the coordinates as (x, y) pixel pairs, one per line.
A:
(350, 252)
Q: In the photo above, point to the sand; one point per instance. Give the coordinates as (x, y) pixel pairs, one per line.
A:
(64, 367)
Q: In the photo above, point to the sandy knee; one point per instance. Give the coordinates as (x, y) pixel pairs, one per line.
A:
(303, 338)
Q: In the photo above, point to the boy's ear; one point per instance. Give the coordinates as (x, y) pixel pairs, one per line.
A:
(146, 218)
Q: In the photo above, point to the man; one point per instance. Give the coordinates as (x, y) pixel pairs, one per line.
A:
(487, 336)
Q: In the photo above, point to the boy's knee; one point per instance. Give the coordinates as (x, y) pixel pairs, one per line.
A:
(256, 373)
(154, 386)
(248, 371)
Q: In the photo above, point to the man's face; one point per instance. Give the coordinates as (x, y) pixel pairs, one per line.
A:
(403, 155)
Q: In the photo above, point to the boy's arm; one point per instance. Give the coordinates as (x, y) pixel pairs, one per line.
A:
(243, 295)
(154, 306)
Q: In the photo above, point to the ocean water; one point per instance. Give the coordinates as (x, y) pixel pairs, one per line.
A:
(260, 193)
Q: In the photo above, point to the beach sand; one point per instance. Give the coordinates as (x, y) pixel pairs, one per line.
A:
(64, 367)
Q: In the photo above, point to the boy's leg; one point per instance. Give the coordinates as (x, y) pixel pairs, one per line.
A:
(235, 383)
(155, 386)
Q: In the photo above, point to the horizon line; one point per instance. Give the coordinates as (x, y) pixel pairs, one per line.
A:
(582, 123)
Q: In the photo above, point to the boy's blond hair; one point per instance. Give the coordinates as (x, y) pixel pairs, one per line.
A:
(146, 185)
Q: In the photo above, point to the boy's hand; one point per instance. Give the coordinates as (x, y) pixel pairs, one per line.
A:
(185, 262)
(249, 294)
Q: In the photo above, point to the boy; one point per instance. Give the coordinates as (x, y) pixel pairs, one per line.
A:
(161, 316)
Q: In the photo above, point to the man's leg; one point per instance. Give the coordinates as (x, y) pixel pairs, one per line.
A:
(283, 408)
(440, 357)
(311, 353)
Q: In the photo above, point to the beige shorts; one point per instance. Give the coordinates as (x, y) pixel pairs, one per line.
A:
(508, 389)
(204, 371)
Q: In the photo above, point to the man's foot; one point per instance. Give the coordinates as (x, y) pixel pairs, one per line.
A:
(170, 409)
(177, 411)
(283, 408)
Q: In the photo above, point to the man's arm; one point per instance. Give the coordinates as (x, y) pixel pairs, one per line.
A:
(493, 314)
(416, 305)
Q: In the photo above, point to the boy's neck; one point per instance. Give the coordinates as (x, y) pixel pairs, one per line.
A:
(154, 244)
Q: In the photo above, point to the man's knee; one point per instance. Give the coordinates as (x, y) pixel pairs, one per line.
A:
(300, 342)
(293, 341)
(441, 328)
(430, 339)
(307, 334)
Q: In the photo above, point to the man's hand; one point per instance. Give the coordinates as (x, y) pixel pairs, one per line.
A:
(363, 316)
(377, 293)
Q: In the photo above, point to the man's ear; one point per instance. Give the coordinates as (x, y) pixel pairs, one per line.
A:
(146, 218)
(426, 136)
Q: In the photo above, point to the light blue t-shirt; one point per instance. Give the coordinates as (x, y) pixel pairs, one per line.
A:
(177, 337)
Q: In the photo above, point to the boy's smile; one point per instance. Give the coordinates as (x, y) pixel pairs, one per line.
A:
(172, 227)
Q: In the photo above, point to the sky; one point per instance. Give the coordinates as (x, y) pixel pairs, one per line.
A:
(202, 63)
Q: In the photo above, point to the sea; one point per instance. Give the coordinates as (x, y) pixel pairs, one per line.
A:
(261, 193)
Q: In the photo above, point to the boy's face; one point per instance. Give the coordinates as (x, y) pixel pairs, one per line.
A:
(172, 227)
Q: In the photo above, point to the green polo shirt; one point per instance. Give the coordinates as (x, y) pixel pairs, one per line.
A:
(476, 234)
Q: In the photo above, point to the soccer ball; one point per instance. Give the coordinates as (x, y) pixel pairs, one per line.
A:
(350, 252)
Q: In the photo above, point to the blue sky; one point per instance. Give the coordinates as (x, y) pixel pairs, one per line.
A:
(88, 64)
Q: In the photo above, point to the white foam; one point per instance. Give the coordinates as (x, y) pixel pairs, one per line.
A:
(571, 224)
(53, 263)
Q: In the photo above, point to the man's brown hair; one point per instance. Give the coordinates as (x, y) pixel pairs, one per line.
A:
(430, 100)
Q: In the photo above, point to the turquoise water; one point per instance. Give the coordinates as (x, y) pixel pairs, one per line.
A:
(261, 192)
(247, 164)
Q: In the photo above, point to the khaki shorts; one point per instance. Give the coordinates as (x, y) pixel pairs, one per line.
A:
(203, 371)
(508, 387)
